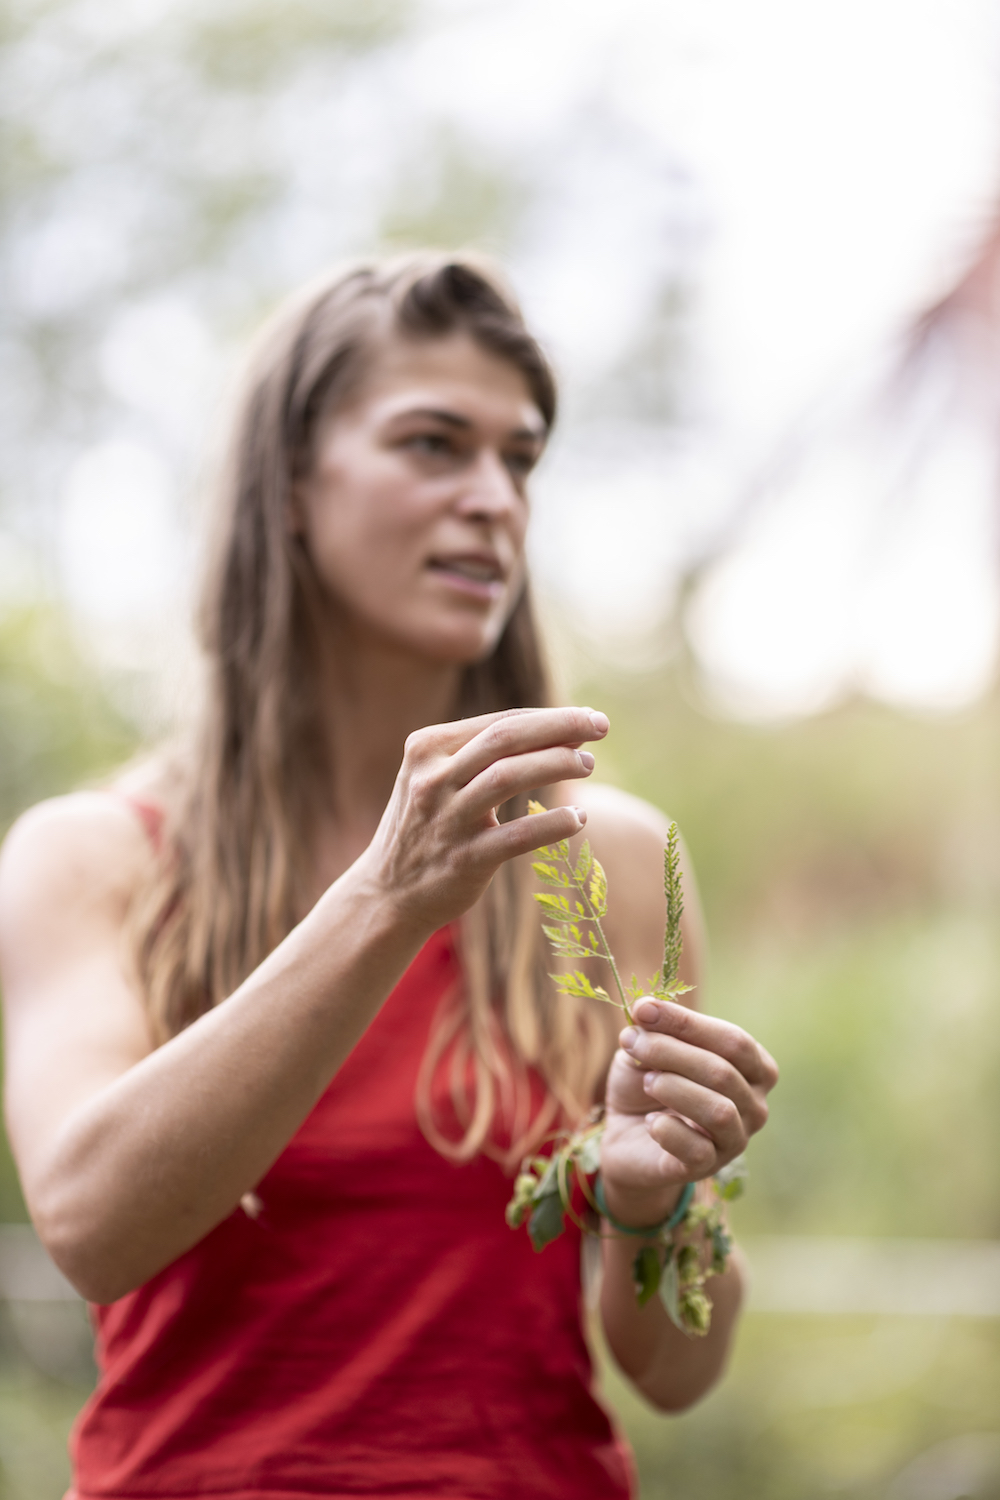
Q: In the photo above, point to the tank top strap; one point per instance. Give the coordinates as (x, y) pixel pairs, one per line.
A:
(150, 814)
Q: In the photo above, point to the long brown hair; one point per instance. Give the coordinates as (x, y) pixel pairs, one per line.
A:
(230, 879)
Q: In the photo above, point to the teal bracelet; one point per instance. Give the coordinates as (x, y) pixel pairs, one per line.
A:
(670, 1222)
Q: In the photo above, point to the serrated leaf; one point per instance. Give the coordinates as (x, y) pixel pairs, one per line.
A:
(598, 889)
(574, 983)
(549, 875)
(546, 1222)
(582, 867)
(534, 808)
(557, 905)
(646, 1272)
(564, 946)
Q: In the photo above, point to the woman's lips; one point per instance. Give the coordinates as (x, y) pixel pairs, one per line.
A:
(477, 577)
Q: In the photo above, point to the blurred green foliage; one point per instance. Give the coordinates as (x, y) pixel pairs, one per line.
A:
(448, 197)
(58, 725)
(864, 1408)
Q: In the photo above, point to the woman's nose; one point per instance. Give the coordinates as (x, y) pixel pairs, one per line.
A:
(489, 489)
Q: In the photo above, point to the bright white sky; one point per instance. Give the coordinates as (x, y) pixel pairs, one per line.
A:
(837, 160)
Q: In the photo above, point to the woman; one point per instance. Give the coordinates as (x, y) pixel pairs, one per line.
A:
(278, 1025)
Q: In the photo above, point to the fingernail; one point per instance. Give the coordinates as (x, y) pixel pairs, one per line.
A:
(600, 721)
(647, 1010)
(586, 760)
(649, 1079)
(581, 813)
(628, 1038)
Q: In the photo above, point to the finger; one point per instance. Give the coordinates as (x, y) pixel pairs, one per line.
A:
(717, 1115)
(625, 1092)
(521, 835)
(695, 1152)
(708, 1032)
(516, 734)
(663, 1054)
(521, 773)
(450, 737)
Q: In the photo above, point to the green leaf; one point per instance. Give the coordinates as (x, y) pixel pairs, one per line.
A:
(721, 1246)
(660, 992)
(549, 875)
(731, 1180)
(557, 905)
(669, 1291)
(563, 945)
(549, 1184)
(546, 1222)
(582, 867)
(646, 1272)
(575, 983)
(589, 1155)
(598, 891)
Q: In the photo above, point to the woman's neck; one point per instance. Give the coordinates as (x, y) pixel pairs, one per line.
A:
(374, 695)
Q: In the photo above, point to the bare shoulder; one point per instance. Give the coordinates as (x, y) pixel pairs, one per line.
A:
(627, 827)
(84, 852)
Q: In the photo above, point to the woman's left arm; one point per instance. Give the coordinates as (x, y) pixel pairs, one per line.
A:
(685, 1093)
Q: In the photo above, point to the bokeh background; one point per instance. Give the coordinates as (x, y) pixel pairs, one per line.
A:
(761, 241)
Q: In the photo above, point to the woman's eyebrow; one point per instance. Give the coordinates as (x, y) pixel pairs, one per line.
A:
(456, 420)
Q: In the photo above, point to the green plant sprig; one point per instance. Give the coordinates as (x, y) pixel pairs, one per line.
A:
(576, 931)
(677, 1261)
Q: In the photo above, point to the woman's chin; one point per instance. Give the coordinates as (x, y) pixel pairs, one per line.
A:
(458, 647)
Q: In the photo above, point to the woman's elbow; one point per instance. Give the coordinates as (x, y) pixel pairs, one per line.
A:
(87, 1252)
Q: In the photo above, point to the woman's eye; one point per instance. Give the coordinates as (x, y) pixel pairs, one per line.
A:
(430, 442)
(520, 465)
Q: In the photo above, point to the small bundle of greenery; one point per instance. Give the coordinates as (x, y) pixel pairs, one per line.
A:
(678, 1257)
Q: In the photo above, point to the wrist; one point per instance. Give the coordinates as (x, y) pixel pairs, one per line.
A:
(640, 1208)
(379, 904)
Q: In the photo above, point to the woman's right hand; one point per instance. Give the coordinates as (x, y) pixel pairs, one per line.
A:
(440, 841)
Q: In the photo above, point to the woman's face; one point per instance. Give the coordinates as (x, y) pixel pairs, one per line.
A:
(415, 510)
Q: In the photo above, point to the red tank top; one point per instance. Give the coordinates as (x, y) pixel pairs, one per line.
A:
(376, 1330)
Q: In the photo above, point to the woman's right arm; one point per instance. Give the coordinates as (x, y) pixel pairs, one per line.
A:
(128, 1154)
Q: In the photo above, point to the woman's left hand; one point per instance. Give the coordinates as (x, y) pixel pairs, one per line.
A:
(685, 1093)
